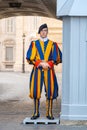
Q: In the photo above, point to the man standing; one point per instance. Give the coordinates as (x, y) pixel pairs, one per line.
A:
(43, 54)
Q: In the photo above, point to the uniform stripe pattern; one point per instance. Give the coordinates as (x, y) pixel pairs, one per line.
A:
(47, 51)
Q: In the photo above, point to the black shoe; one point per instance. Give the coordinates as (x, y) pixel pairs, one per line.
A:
(50, 117)
(34, 117)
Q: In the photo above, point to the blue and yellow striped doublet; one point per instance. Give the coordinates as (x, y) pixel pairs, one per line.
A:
(39, 50)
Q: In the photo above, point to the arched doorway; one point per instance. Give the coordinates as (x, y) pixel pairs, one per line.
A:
(12, 8)
(43, 12)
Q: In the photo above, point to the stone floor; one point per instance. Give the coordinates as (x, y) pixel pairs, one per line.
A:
(15, 105)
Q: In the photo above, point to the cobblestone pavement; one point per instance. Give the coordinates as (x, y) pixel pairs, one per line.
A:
(15, 104)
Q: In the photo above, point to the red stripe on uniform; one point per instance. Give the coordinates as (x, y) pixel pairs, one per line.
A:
(37, 86)
(50, 85)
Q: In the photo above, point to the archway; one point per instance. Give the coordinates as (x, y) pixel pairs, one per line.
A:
(46, 11)
(27, 7)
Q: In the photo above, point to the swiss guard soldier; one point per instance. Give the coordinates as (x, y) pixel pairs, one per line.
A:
(43, 54)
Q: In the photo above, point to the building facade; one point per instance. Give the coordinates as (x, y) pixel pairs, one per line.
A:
(11, 39)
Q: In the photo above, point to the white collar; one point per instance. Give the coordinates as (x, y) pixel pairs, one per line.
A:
(43, 39)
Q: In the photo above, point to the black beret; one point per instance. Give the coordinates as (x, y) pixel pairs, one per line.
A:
(42, 27)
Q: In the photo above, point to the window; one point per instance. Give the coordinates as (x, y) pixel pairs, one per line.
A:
(9, 53)
(8, 66)
(10, 25)
(35, 22)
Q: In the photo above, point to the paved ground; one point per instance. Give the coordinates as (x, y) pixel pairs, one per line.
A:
(15, 104)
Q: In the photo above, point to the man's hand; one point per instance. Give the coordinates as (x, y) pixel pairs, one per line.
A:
(44, 65)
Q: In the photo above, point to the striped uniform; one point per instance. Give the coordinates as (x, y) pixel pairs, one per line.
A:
(48, 51)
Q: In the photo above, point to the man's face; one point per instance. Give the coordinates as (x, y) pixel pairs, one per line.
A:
(44, 32)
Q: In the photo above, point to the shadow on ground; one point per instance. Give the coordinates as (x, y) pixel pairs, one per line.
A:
(18, 110)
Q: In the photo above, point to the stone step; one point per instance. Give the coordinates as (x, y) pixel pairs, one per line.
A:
(41, 120)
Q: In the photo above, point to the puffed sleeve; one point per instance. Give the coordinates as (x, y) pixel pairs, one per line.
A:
(56, 54)
(31, 53)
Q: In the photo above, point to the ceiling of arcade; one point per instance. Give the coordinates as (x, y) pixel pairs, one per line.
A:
(10, 8)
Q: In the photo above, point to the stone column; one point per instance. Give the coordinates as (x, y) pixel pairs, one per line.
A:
(19, 44)
(74, 83)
